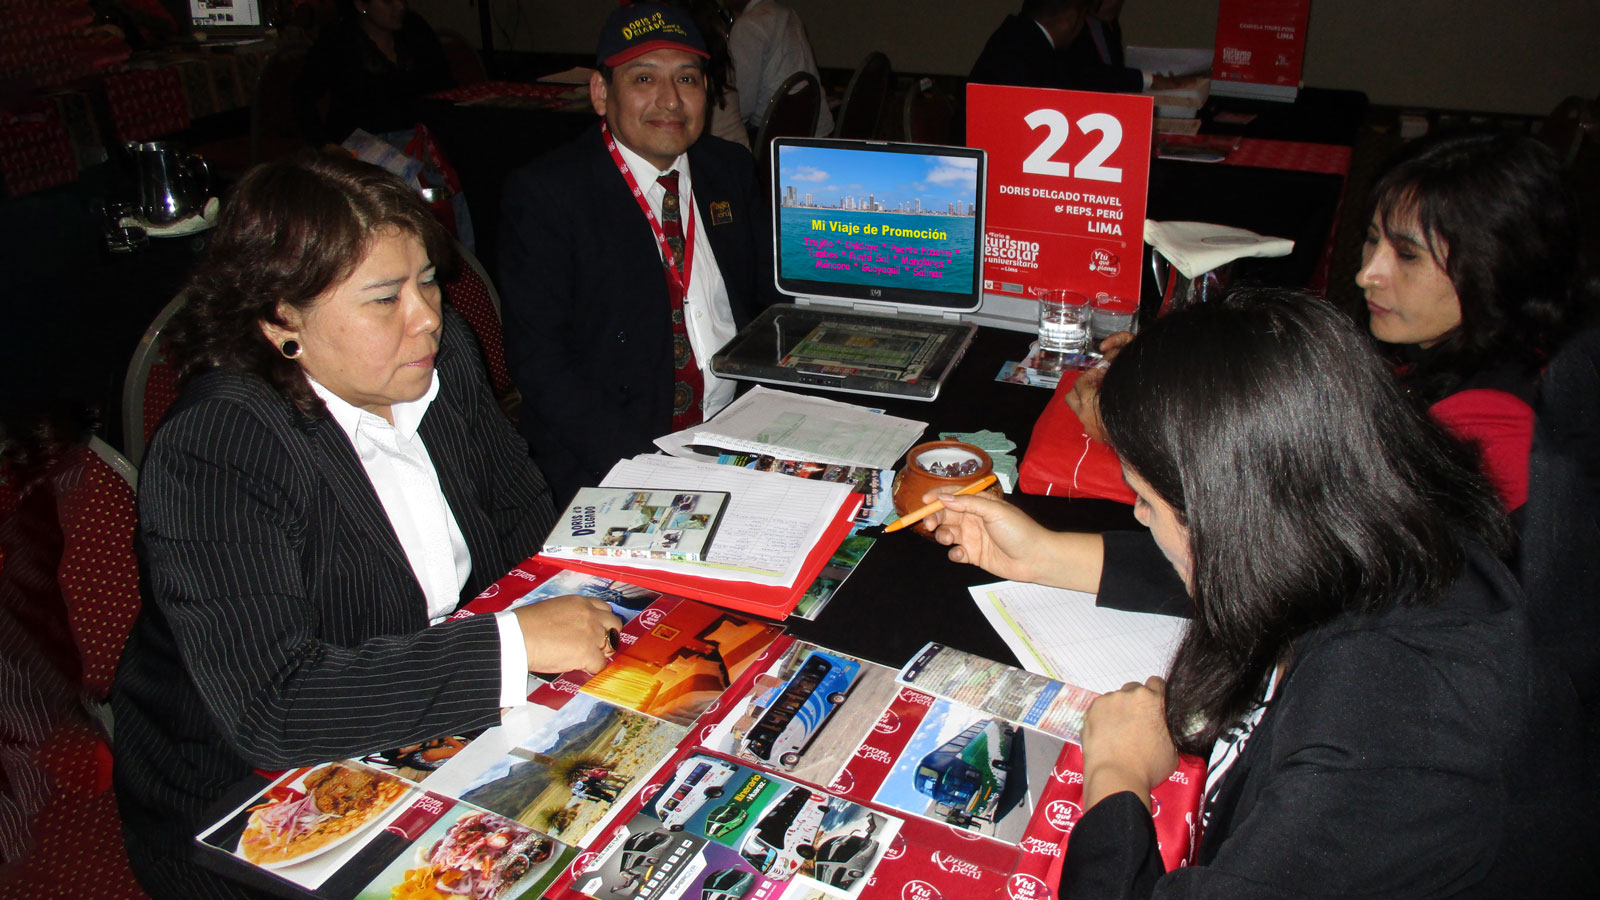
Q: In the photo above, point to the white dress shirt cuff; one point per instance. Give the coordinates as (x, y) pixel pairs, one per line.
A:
(1149, 79)
(513, 660)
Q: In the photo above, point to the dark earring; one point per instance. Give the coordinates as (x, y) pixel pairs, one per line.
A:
(290, 348)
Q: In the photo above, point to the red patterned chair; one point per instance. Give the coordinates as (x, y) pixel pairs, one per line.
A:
(76, 848)
(473, 295)
(149, 388)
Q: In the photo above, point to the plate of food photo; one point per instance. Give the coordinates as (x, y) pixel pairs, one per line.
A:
(316, 812)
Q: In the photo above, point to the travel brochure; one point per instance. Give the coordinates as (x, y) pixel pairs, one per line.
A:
(633, 523)
(714, 757)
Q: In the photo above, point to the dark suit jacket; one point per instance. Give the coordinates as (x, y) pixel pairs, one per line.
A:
(1420, 751)
(1019, 54)
(282, 623)
(1091, 72)
(585, 304)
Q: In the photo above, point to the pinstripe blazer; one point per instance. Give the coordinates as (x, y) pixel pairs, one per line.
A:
(282, 623)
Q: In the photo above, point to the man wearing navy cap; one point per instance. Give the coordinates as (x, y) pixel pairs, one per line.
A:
(629, 257)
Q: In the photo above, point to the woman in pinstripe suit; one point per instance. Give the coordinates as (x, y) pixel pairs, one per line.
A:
(335, 478)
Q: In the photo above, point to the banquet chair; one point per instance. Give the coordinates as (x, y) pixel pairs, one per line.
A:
(473, 295)
(928, 114)
(466, 66)
(792, 112)
(82, 535)
(864, 98)
(150, 386)
(273, 132)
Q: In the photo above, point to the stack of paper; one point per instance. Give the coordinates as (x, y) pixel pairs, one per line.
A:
(769, 527)
(796, 426)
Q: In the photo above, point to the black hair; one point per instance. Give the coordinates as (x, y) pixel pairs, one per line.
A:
(1309, 483)
(1046, 10)
(1497, 214)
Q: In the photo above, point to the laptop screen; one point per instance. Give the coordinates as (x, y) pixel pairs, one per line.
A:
(877, 223)
(223, 14)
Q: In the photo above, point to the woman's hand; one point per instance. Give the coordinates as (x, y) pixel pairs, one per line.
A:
(990, 534)
(1084, 398)
(566, 633)
(1125, 743)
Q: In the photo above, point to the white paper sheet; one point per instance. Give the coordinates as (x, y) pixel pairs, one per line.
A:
(771, 523)
(797, 426)
(1061, 634)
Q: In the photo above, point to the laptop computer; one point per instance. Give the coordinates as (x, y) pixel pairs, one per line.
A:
(881, 247)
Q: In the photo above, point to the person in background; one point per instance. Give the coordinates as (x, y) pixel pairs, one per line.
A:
(613, 309)
(1359, 668)
(368, 70)
(1097, 57)
(1472, 278)
(768, 44)
(722, 91)
(1040, 47)
(334, 482)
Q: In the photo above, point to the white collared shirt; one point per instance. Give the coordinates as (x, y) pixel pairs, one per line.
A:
(706, 310)
(403, 476)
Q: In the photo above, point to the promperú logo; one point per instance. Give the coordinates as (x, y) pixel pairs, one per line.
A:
(1062, 815)
(1065, 776)
(1040, 847)
(876, 754)
(888, 723)
(955, 866)
(920, 890)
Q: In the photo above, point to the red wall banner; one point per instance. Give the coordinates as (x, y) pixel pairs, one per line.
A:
(1068, 175)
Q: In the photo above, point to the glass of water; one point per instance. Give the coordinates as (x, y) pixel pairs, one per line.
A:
(1063, 326)
(1110, 315)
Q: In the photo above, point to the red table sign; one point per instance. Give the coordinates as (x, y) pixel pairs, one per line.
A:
(1260, 49)
(1068, 176)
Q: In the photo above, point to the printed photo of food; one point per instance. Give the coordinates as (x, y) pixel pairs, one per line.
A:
(471, 853)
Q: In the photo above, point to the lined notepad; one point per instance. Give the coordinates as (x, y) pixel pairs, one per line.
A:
(1061, 634)
(767, 530)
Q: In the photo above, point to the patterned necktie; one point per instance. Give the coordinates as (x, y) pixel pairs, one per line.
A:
(688, 385)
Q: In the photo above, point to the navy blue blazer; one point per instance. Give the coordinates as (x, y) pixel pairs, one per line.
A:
(585, 304)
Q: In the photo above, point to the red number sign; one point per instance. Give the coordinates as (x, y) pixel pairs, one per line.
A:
(1068, 175)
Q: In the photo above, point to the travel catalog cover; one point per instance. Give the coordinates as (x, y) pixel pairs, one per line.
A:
(631, 523)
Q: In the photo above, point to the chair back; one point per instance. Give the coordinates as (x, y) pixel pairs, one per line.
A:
(466, 66)
(928, 114)
(792, 112)
(150, 386)
(473, 295)
(99, 575)
(864, 98)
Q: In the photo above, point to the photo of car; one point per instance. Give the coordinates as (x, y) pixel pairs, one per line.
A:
(842, 860)
(785, 834)
(797, 713)
(725, 820)
(698, 779)
(727, 884)
(640, 851)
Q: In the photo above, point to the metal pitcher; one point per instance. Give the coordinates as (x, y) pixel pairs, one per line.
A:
(173, 185)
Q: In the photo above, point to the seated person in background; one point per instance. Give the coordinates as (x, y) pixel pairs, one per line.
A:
(1472, 278)
(1097, 56)
(1359, 669)
(606, 344)
(768, 44)
(370, 68)
(1038, 47)
(334, 481)
(722, 93)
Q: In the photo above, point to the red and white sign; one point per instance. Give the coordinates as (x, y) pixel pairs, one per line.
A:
(1260, 42)
(1068, 175)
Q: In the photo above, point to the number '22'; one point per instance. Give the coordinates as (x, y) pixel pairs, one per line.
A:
(1089, 168)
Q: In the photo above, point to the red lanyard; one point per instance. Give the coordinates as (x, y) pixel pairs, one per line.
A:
(686, 213)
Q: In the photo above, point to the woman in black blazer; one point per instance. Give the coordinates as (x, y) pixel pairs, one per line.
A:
(1358, 669)
(335, 477)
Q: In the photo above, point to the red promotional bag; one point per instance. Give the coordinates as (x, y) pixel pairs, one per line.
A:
(1063, 462)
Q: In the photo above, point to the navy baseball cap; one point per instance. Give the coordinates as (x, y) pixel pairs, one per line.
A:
(634, 29)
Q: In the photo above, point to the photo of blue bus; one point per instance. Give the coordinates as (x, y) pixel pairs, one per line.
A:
(794, 717)
(967, 774)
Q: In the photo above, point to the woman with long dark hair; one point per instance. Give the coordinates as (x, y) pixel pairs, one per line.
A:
(1358, 668)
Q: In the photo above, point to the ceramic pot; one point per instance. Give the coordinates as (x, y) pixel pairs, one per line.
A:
(915, 478)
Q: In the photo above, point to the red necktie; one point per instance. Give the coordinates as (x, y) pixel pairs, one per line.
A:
(688, 386)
